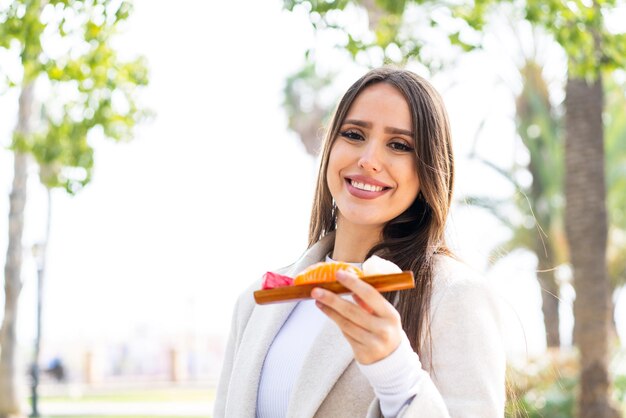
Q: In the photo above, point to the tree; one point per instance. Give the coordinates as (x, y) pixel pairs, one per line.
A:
(73, 88)
(538, 128)
(590, 48)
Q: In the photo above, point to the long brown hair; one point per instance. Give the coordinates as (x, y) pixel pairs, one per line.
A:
(412, 239)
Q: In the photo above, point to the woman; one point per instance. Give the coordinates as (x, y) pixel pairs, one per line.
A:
(385, 188)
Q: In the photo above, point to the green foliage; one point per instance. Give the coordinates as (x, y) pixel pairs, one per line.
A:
(304, 83)
(395, 7)
(455, 39)
(65, 48)
(473, 13)
(389, 28)
(319, 7)
(619, 384)
(306, 112)
(577, 26)
(547, 386)
(544, 387)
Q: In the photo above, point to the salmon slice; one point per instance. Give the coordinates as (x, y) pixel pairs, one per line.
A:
(324, 272)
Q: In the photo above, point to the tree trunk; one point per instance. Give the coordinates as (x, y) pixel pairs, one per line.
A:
(548, 284)
(586, 227)
(41, 251)
(10, 373)
(549, 303)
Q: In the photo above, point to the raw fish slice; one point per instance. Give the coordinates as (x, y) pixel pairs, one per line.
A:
(324, 272)
(273, 280)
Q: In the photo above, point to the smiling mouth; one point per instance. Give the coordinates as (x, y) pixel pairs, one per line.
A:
(365, 186)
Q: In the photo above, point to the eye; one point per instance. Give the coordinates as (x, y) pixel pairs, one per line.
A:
(400, 146)
(351, 135)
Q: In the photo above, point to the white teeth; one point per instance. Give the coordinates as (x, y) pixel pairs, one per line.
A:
(364, 186)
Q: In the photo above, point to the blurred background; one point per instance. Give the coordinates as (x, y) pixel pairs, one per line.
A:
(157, 157)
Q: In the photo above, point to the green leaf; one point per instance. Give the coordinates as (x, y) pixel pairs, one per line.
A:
(394, 7)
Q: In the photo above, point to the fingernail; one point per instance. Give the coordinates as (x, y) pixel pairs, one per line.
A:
(317, 293)
(341, 275)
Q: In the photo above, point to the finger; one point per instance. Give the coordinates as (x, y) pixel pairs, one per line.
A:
(362, 304)
(366, 293)
(368, 347)
(352, 331)
(347, 309)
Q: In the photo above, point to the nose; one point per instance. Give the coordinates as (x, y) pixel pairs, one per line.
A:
(371, 158)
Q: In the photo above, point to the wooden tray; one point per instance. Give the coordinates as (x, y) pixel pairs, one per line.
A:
(381, 282)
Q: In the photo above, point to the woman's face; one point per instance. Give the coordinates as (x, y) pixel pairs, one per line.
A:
(372, 168)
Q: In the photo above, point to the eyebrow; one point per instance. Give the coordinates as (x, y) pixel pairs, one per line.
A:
(388, 129)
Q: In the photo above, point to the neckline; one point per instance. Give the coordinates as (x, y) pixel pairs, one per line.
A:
(330, 260)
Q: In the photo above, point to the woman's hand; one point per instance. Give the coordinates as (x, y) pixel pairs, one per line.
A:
(372, 325)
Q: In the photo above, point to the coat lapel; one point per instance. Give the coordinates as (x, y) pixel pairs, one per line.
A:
(329, 356)
(262, 327)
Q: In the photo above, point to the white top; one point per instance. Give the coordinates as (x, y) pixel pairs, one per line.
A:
(285, 357)
(394, 378)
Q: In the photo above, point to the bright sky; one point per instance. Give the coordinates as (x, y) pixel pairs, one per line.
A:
(214, 191)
